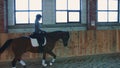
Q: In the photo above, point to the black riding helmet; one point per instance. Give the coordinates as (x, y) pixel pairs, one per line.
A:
(38, 16)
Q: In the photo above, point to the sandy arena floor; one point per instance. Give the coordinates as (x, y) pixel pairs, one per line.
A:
(96, 61)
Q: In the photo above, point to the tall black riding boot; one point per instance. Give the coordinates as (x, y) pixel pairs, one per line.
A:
(40, 47)
(40, 39)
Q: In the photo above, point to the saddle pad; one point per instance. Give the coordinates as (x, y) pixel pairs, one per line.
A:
(34, 42)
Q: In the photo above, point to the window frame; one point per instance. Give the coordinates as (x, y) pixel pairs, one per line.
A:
(86, 19)
(68, 11)
(107, 11)
(48, 19)
(28, 12)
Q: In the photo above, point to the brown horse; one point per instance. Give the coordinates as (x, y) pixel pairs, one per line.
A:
(23, 44)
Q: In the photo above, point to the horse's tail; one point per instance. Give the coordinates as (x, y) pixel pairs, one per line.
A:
(5, 45)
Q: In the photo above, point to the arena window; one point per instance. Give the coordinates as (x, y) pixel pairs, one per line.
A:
(26, 10)
(66, 12)
(108, 11)
(21, 15)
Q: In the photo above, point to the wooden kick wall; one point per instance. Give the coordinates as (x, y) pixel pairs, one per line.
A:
(81, 43)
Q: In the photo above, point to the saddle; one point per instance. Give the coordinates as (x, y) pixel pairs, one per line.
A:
(40, 37)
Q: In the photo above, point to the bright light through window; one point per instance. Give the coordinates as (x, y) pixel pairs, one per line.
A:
(102, 16)
(74, 4)
(61, 4)
(68, 11)
(113, 4)
(102, 4)
(113, 16)
(22, 17)
(35, 5)
(26, 11)
(21, 4)
(61, 16)
(74, 16)
(107, 10)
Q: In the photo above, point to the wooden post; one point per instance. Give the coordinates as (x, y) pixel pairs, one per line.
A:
(92, 14)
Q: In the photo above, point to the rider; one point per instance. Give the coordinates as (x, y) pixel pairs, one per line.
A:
(38, 32)
(37, 25)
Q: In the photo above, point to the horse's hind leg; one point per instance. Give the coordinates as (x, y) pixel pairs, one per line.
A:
(54, 57)
(14, 63)
(20, 61)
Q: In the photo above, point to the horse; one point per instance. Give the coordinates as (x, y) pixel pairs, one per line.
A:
(22, 44)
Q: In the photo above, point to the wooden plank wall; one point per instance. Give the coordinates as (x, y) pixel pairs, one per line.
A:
(81, 43)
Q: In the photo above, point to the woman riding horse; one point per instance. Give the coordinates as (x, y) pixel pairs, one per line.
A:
(38, 34)
(21, 45)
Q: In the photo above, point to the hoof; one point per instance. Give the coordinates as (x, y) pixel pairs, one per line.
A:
(13, 67)
(44, 65)
(51, 63)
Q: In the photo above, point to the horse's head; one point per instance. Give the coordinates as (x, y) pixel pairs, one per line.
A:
(63, 35)
(65, 38)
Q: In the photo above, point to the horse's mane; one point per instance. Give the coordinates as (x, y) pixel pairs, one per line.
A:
(55, 33)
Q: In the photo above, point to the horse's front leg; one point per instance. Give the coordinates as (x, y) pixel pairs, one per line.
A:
(54, 57)
(43, 60)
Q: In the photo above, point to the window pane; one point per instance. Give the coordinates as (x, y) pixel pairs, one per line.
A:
(73, 16)
(61, 4)
(21, 17)
(102, 4)
(33, 16)
(35, 4)
(102, 16)
(113, 4)
(113, 16)
(68, 11)
(27, 16)
(21, 4)
(61, 16)
(73, 4)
